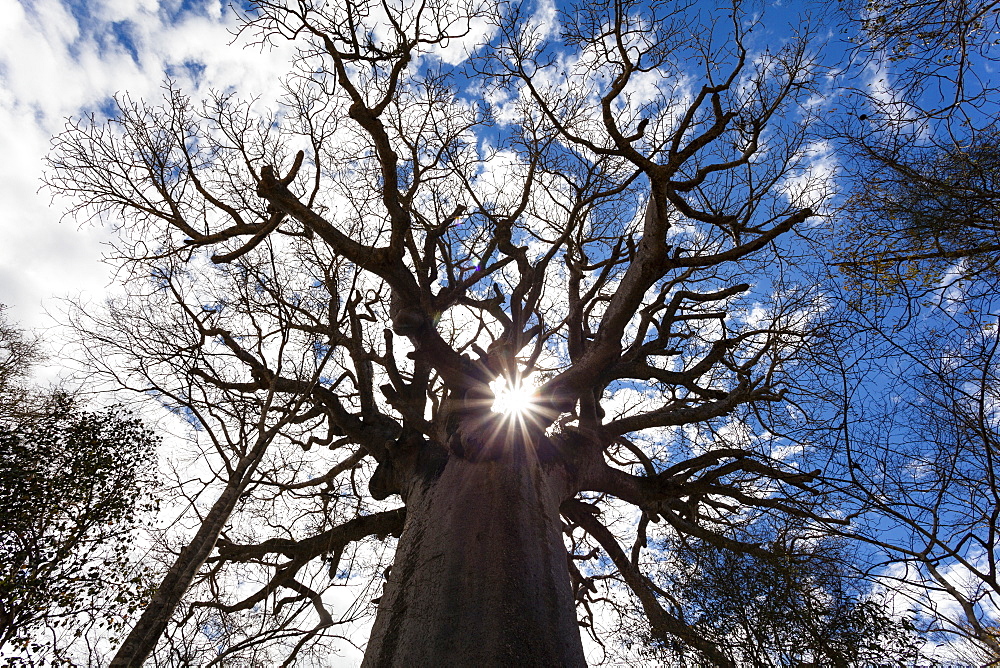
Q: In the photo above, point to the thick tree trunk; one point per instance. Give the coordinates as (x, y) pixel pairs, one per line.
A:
(480, 576)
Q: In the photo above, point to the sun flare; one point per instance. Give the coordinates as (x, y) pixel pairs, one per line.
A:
(511, 399)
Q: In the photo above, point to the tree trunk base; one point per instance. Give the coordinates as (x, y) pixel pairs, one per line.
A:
(480, 576)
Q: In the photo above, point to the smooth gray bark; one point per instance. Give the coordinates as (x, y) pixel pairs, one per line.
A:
(480, 576)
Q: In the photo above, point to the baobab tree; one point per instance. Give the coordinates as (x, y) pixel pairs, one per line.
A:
(524, 271)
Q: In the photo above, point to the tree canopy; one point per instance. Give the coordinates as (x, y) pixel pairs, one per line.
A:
(74, 485)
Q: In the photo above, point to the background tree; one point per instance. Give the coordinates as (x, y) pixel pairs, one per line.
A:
(73, 487)
(781, 611)
(504, 298)
(242, 451)
(939, 44)
(921, 143)
(931, 213)
(920, 459)
(18, 352)
(918, 244)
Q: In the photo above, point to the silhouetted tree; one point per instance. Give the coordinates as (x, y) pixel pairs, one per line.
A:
(508, 266)
(801, 605)
(74, 485)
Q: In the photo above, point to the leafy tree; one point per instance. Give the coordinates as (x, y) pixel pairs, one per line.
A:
(496, 264)
(917, 219)
(18, 352)
(921, 143)
(786, 609)
(942, 41)
(73, 486)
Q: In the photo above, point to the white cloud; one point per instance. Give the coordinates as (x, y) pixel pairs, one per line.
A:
(812, 182)
(57, 63)
(544, 22)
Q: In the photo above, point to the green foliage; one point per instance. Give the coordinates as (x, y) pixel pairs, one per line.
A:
(18, 352)
(786, 610)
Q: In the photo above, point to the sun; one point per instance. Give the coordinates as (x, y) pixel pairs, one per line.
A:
(511, 398)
